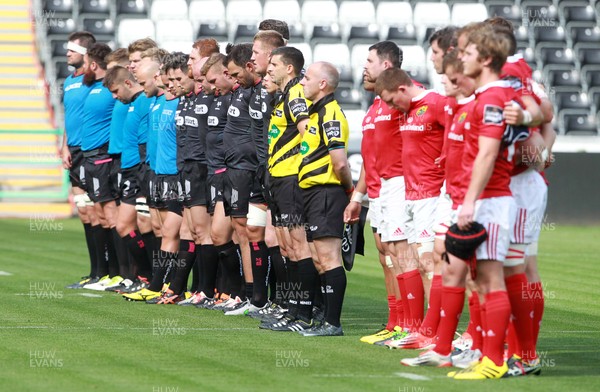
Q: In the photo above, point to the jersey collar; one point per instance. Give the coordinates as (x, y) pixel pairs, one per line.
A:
(316, 107)
(497, 83)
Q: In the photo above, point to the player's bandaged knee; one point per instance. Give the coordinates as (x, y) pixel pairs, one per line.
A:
(425, 247)
(256, 216)
(516, 254)
(141, 206)
(532, 249)
(388, 262)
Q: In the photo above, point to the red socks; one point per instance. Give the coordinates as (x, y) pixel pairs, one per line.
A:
(453, 300)
(497, 314)
(432, 317)
(522, 309)
(415, 297)
(393, 314)
(475, 328)
(536, 295)
(402, 304)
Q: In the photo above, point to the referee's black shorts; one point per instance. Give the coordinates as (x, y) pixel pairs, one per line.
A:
(324, 207)
(288, 203)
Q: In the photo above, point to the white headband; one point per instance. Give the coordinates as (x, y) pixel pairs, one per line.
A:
(76, 48)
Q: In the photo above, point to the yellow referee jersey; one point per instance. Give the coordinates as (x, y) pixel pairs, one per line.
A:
(284, 138)
(327, 130)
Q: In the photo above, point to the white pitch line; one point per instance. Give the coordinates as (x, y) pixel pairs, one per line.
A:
(411, 376)
(90, 295)
(4, 273)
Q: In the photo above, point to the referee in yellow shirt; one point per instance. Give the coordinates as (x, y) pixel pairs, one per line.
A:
(326, 183)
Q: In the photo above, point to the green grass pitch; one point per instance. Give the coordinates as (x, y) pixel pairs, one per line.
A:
(53, 339)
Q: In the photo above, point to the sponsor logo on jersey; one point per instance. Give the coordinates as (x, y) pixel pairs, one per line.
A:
(462, 118)
(255, 114)
(312, 130)
(233, 111)
(96, 91)
(383, 117)
(333, 129)
(298, 106)
(278, 113)
(274, 132)
(179, 121)
(422, 111)
(131, 109)
(304, 148)
(191, 121)
(73, 86)
(201, 109)
(454, 136)
(492, 114)
(212, 121)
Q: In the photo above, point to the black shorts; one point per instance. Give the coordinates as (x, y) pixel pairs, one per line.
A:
(214, 190)
(77, 170)
(130, 186)
(324, 207)
(237, 188)
(168, 193)
(193, 182)
(97, 178)
(143, 169)
(151, 186)
(288, 208)
(115, 174)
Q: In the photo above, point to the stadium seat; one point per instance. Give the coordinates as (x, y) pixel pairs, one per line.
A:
(275, 9)
(306, 52)
(174, 31)
(62, 70)
(206, 12)
(556, 55)
(572, 99)
(60, 27)
(338, 55)
(97, 7)
(357, 14)
(540, 13)
(413, 57)
(393, 13)
(578, 12)
(464, 13)
(363, 34)
(57, 7)
(565, 77)
(296, 32)
(358, 58)
(592, 76)
(579, 123)
(546, 34)
(243, 12)
(58, 48)
(507, 10)
(588, 54)
(132, 9)
(217, 31)
(431, 15)
(131, 29)
(318, 13)
(522, 34)
(244, 33)
(325, 34)
(402, 35)
(584, 33)
(177, 46)
(348, 97)
(99, 27)
(168, 9)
